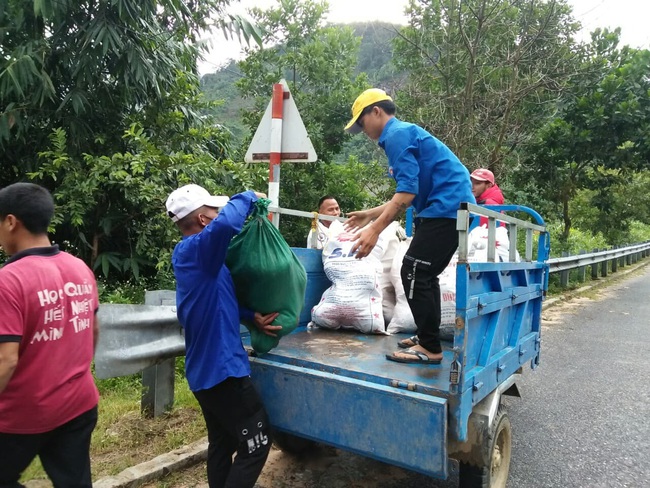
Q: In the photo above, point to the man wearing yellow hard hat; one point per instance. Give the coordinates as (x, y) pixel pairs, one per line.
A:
(431, 179)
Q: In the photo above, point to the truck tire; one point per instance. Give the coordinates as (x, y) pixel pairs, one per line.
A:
(292, 443)
(498, 449)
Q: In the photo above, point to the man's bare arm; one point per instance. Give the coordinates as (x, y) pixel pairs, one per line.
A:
(368, 238)
(8, 362)
(393, 208)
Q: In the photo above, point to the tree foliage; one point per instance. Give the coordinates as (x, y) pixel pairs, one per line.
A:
(600, 139)
(318, 62)
(483, 73)
(86, 66)
(110, 208)
(100, 103)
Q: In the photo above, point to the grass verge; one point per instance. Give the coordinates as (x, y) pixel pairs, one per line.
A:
(124, 438)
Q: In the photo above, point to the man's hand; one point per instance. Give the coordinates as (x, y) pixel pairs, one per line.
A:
(260, 195)
(365, 242)
(263, 323)
(357, 220)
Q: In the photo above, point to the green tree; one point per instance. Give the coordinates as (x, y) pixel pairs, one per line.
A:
(318, 62)
(600, 138)
(482, 74)
(86, 66)
(220, 86)
(100, 102)
(618, 212)
(376, 51)
(110, 208)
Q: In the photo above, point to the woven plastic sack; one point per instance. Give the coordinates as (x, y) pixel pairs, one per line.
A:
(268, 276)
(354, 299)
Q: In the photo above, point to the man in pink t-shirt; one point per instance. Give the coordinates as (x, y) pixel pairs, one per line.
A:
(48, 332)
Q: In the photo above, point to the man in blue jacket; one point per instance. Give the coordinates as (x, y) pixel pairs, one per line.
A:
(431, 179)
(216, 363)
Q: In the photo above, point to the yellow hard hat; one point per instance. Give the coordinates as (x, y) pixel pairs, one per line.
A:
(367, 98)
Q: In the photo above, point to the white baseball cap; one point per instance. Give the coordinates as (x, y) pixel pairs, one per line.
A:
(188, 198)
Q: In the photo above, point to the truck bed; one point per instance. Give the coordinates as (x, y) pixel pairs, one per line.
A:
(337, 387)
(361, 356)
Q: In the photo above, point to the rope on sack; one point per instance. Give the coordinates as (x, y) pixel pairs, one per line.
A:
(314, 222)
(314, 231)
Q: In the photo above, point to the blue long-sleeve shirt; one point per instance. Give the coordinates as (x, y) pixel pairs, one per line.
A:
(424, 166)
(206, 302)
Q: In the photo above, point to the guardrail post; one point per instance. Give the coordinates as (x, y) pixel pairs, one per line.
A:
(158, 381)
(594, 269)
(604, 266)
(564, 275)
(628, 259)
(582, 270)
(615, 263)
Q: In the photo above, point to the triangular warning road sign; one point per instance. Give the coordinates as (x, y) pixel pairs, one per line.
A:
(296, 145)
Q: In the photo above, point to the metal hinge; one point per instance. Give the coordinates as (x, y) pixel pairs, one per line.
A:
(404, 385)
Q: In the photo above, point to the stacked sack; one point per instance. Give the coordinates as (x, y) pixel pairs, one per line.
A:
(367, 294)
(392, 236)
(402, 318)
(354, 301)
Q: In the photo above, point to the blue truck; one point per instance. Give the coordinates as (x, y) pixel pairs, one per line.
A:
(337, 388)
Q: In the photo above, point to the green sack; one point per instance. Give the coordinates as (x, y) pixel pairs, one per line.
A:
(268, 276)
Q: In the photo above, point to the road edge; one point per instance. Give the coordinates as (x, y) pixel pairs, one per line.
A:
(156, 468)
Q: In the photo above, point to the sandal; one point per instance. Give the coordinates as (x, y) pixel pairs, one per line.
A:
(417, 357)
(403, 344)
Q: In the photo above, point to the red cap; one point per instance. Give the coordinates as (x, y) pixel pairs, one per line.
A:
(483, 174)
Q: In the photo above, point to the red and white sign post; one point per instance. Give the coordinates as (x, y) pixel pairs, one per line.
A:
(275, 158)
(280, 137)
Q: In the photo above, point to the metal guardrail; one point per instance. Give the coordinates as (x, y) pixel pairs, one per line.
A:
(567, 263)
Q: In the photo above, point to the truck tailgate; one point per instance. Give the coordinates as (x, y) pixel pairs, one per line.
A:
(337, 387)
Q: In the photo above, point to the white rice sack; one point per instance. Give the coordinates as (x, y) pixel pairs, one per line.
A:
(391, 243)
(447, 280)
(477, 252)
(402, 320)
(478, 240)
(354, 300)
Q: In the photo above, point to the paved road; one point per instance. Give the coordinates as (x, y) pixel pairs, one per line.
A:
(584, 420)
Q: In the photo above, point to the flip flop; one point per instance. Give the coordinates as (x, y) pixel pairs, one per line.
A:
(414, 342)
(418, 357)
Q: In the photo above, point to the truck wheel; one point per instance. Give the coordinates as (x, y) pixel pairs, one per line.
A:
(498, 449)
(292, 444)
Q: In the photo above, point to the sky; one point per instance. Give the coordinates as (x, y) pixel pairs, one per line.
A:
(632, 16)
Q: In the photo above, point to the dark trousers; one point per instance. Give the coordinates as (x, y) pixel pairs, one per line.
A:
(64, 453)
(433, 246)
(237, 422)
